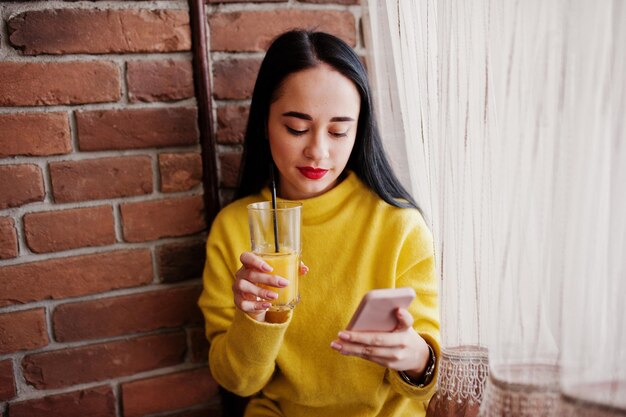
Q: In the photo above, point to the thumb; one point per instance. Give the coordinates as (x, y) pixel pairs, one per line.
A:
(405, 319)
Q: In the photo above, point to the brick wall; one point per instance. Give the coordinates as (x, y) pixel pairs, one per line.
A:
(101, 210)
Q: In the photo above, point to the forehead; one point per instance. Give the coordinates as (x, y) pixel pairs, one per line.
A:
(319, 91)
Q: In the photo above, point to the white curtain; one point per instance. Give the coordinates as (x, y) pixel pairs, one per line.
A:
(508, 117)
(593, 354)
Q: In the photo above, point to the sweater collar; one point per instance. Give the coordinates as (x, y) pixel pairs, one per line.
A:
(326, 203)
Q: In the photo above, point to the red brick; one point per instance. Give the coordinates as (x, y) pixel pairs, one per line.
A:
(255, 30)
(7, 382)
(49, 83)
(53, 231)
(34, 134)
(229, 168)
(159, 80)
(20, 184)
(152, 220)
(231, 124)
(92, 402)
(103, 178)
(168, 392)
(23, 330)
(74, 276)
(199, 345)
(71, 31)
(98, 362)
(234, 79)
(139, 128)
(180, 171)
(180, 261)
(114, 316)
(8, 238)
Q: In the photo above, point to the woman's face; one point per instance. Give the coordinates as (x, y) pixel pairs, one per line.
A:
(312, 128)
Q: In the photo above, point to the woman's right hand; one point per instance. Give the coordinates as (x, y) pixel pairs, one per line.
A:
(249, 296)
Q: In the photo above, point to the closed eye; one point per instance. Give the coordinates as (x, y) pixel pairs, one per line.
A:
(295, 131)
(339, 134)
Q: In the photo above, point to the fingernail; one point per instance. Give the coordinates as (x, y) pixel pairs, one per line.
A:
(344, 336)
(266, 267)
(335, 345)
(283, 282)
(272, 295)
(265, 306)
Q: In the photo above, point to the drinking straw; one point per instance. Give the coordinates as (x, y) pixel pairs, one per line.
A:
(274, 208)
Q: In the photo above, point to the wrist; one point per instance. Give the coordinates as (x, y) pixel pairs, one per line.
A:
(422, 360)
(424, 376)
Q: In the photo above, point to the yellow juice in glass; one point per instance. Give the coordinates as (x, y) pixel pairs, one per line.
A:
(287, 265)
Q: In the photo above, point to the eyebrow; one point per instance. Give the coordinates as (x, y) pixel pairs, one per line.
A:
(305, 116)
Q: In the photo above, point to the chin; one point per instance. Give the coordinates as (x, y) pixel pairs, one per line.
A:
(306, 188)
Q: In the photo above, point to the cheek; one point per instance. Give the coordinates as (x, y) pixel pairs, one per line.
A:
(274, 140)
(345, 150)
(282, 150)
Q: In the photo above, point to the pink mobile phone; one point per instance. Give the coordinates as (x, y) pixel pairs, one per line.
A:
(376, 313)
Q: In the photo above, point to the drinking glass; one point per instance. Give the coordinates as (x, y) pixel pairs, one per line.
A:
(275, 237)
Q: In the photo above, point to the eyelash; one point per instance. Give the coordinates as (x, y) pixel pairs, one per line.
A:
(302, 132)
(295, 132)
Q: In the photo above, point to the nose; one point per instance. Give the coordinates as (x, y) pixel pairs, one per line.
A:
(317, 148)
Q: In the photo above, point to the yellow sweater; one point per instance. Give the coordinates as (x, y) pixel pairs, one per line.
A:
(352, 242)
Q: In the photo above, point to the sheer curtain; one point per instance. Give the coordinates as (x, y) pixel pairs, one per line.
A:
(593, 354)
(508, 117)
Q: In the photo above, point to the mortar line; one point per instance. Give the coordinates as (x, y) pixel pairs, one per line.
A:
(124, 98)
(117, 222)
(114, 105)
(116, 387)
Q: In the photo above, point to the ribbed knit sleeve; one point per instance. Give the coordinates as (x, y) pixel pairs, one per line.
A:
(243, 351)
(416, 268)
(243, 358)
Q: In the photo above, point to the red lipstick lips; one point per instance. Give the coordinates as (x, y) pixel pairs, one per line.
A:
(313, 173)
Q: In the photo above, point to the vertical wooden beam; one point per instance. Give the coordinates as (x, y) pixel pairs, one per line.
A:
(201, 76)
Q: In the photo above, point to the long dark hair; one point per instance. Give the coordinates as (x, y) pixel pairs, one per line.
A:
(295, 51)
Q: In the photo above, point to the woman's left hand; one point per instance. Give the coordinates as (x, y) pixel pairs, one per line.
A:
(402, 349)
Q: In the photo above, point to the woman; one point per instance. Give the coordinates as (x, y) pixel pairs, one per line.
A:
(311, 115)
